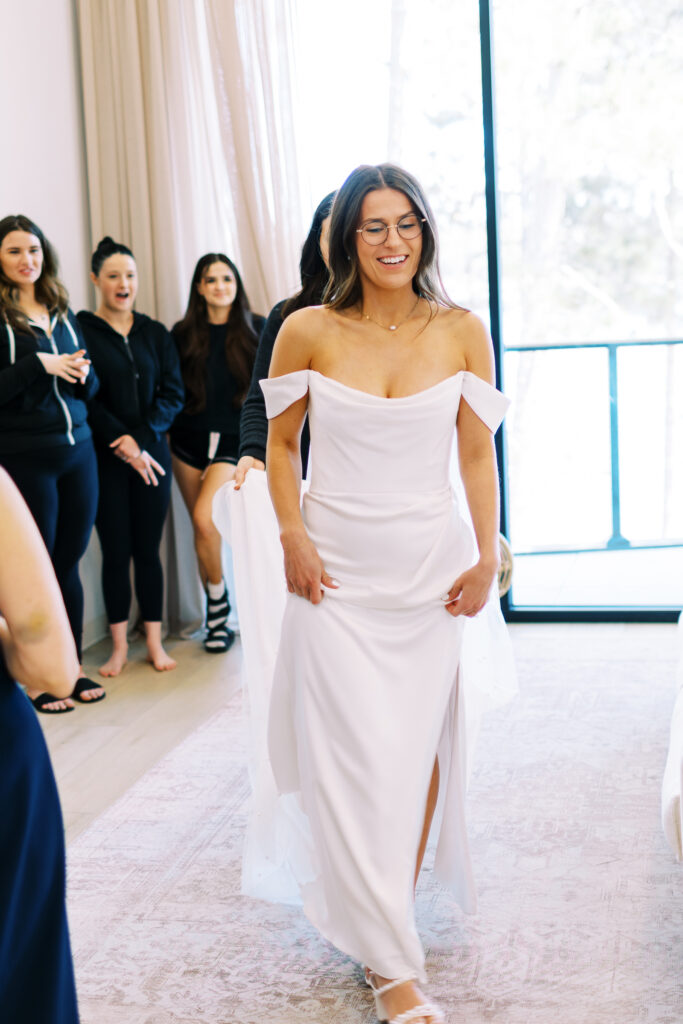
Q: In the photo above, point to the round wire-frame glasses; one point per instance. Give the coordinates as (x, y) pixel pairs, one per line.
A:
(375, 232)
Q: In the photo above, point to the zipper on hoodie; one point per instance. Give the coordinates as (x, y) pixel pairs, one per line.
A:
(136, 375)
(12, 343)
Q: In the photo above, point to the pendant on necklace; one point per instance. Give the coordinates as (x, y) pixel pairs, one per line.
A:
(391, 327)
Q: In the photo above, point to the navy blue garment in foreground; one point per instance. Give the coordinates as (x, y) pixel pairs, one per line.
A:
(36, 973)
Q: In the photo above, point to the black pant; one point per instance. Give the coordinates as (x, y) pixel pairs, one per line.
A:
(130, 518)
(59, 486)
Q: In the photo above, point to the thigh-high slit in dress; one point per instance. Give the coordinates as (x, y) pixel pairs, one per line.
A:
(367, 688)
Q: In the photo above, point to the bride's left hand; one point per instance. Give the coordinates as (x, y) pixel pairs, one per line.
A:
(471, 590)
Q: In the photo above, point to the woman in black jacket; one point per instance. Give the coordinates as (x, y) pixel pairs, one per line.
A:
(217, 341)
(314, 277)
(140, 393)
(45, 441)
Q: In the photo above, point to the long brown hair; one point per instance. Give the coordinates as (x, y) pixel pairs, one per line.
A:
(49, 290)
(344, 288)
(192, 336)
(312, 267)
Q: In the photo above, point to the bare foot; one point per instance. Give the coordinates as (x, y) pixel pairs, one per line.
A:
(162, 661)
(115, 663)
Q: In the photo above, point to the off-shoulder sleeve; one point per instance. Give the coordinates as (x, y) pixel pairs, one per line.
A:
(281, 392)
(487, 402)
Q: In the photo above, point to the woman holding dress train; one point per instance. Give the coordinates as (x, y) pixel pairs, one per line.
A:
(314, 272)
(366, 718)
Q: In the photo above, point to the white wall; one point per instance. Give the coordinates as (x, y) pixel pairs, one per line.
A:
(42, 167)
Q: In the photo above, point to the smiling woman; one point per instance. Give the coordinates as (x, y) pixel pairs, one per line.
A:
(45, 441)
(367, 708)
(217, 340)
(395, 241)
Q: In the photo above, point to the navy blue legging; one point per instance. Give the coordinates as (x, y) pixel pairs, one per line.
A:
(130, 518)
(59, 485)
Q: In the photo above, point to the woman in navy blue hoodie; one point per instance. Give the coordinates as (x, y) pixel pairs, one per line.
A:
(45, 441)
(141, 392)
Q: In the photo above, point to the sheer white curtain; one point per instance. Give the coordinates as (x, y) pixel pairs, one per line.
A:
(191, 147)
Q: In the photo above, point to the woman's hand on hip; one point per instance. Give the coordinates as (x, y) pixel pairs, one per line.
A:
(471, 590)
(246, 463)
(71, 366)
(304, 570)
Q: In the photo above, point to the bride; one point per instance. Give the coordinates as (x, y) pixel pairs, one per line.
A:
(366, 717)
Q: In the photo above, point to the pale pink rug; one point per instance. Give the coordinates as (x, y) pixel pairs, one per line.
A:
(581, 902)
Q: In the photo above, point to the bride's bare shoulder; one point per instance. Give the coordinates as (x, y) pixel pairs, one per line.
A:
(456, 318)
(309, 318)
(299, 338)
(468, 339)
(462, 323)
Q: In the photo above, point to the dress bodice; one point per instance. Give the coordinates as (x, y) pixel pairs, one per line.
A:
(380, 507)
(370, 444)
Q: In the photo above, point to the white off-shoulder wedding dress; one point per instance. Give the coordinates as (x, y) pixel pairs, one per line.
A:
(368, 685)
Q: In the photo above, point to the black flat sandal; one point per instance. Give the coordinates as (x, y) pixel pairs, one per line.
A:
(82, 686)
(42, 699)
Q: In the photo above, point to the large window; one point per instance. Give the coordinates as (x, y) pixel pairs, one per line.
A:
(590, 232)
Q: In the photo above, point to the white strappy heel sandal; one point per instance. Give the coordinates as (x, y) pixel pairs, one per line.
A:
(425, 1013)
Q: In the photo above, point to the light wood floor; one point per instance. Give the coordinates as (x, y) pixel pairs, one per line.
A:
(98, 752)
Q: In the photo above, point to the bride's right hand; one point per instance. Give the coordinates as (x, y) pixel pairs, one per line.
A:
(304, 570)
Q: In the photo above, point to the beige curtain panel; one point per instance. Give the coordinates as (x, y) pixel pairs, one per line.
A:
(191, 140)
(191, 148)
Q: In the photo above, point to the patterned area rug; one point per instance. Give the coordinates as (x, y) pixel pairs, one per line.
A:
(581, 903)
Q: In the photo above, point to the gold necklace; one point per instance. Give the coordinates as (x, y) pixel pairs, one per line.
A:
(391, 327)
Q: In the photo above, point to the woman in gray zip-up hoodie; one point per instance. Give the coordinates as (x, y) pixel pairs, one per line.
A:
(45, 441)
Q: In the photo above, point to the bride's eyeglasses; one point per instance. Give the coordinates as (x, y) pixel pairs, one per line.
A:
(375, 232)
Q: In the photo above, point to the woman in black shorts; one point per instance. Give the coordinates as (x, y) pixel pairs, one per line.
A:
(140, 393)
(216, 341)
